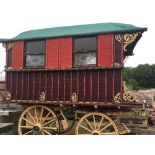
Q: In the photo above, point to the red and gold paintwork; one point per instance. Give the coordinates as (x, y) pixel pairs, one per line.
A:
(60, 83)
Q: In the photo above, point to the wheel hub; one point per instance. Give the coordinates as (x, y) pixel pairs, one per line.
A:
(37, 127)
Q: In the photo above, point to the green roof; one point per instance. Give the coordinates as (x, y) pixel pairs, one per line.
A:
(76, 30)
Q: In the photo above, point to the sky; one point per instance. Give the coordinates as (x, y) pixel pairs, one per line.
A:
(21, 15)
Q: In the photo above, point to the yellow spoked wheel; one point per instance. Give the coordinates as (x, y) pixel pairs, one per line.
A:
(38, 120)
(96, 124)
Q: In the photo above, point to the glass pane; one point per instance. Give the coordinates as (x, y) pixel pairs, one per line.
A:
(35, 47)
(35, 60)
(87, 44)
(85, 58)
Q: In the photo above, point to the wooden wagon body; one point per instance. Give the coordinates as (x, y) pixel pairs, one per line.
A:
(74, 65)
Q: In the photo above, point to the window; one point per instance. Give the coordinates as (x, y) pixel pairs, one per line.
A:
(35, 54)
(85, 51)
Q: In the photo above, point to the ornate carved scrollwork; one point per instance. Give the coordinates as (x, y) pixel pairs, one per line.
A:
(118, 37)
(74, 98)
(7, 96)
(128, 96)
(127, 39)
(7, 45)
(117, 98)
(42, 97)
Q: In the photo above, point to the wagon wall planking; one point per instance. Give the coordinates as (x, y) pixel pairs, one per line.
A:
(90, 85)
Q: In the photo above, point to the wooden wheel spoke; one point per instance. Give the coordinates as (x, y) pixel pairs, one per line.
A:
(45, 117)
(50, 128)
(42, 133)
(28, 121)
(85, 128)
(89, 123)
(35, 111)
(46, 132)
(48, 122)
(26, 127)
(105, 127)
(28, 132)
(31, 116)
(34, 133)
(38, 120)
(96, 125)
(94, 121)
(100, 123)
(41, 114)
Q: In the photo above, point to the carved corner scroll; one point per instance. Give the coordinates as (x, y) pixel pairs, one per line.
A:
(128, 96)
(7, 96)
(127, 38)
(42, 97)
(74, 98)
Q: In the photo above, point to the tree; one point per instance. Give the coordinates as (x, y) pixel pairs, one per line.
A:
(141, 76)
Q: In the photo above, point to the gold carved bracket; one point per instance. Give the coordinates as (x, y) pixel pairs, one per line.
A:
(7, 96)
(128, 96)
(42, 97)
(74, 98)
(127, 38)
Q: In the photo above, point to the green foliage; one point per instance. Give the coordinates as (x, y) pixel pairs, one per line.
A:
(141, 76)
(133, 83)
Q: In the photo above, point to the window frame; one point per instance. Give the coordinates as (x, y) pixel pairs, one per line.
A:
(74, 53)
(25, 55)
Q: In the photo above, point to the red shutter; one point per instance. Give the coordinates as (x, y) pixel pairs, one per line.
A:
(52, 52)
(105, 50)
(17, 54)
(65, 53)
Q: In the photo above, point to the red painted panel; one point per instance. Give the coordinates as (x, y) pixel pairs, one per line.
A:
(52, 53)
(65, 52)
(118, 53)
(17, 54)
(105, 50)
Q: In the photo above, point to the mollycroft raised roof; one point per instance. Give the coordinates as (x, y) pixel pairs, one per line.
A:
(77, 30)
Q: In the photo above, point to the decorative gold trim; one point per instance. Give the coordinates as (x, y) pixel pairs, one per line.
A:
(118, 37)
(9, 46)
(7, 96)
(42, 97)
(128, 96)
(128, 38)
(74, 98)
(117, 98)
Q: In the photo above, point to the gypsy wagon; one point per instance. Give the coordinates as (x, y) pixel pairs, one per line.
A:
(72, 76)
